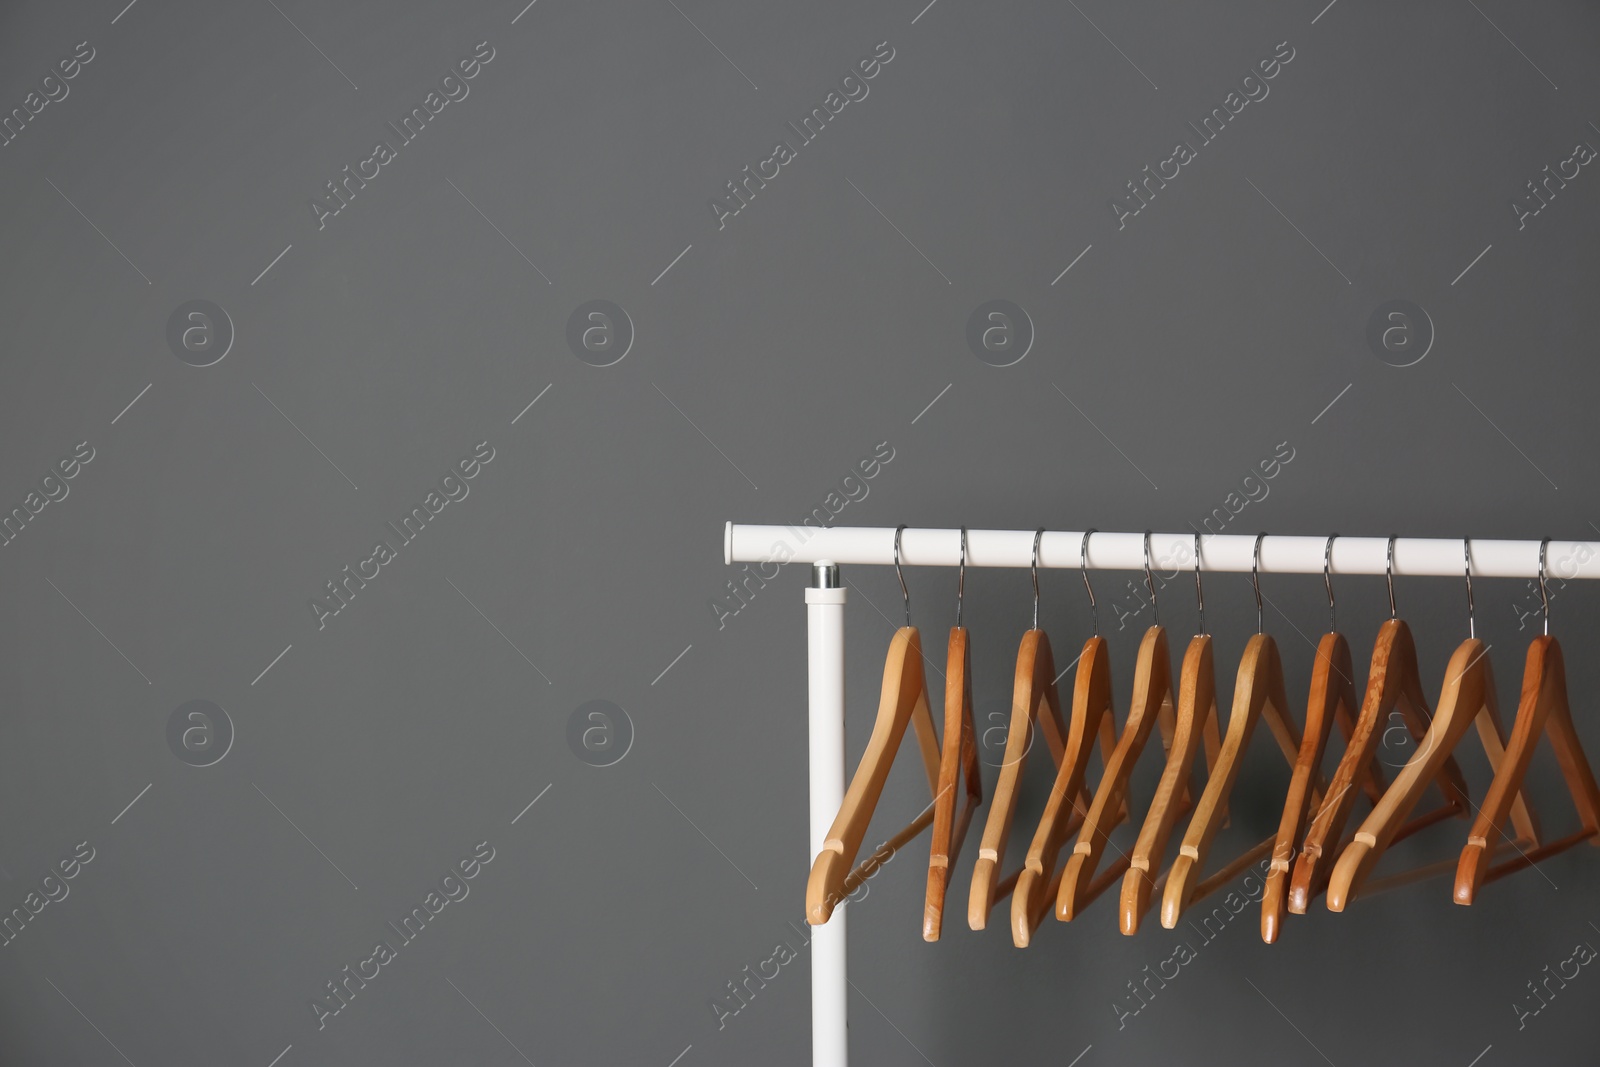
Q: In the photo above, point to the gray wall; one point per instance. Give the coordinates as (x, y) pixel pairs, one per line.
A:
(342, 764)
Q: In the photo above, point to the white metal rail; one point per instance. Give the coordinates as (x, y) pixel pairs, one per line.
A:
(1280, 554)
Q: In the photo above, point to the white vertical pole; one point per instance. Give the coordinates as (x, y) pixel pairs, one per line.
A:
(830, 1035)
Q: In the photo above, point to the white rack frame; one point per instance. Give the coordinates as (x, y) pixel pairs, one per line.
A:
(827, 548)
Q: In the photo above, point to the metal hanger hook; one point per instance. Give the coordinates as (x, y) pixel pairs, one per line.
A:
(1472, 622)
(1150, 583)
(904, 592)
(1327, 582)
(1544, 594)
(1199, 593)
(1039, 533)
(1388, 575)
(1255, 580)
(961, 577)
(1083, 569)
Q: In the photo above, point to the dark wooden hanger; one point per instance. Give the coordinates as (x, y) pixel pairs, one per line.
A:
(1151, 706)
(1034, 701)
(1038, 882)
(1332, 699)
(1196, 717)
(1258, 694)
(1542, 711)
(904, 699)
(1393, 683)
(957, 760)
(1468, 696)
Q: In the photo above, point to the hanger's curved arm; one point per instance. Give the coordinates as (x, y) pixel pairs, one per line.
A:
(1543, 709)
(1034, 700)
(1152, 701)
(958, 759)
(1258, 694)
(1197, 708)
(904, 699)
(1091, 715)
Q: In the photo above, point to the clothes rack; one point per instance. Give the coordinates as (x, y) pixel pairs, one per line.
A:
(828, 548)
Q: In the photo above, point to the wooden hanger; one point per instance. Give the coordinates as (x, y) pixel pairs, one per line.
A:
(1258, 693)
(1196, 716)
(959, 759)
(904, 699)
(1542, 710)
(1034, 700)
(1393, 684)
(1152, 705)
(1332, 699)
(1091, 715)
(1468, 696)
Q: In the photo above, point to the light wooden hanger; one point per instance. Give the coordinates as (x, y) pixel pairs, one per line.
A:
(959, 759)
(1091, 714)
(1258, 693)
(1152, 705)
(1197, 715)
(1393, 683)
(1542, 710)
(904, 699)
(1332, 699)
(1034, 700)
(1468, 696)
